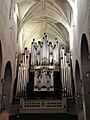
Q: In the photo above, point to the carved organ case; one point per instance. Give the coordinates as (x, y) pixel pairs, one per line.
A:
(44, 61)
(46, 69)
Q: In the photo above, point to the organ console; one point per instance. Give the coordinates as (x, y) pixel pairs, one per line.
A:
(50, 65)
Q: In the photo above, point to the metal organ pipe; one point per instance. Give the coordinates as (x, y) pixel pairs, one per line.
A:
(47, 51)
(62, 73)
(52, 84)
(70, 87)
(56, 53)
(23, 58)
(27, 56)
(66, 78)
(23, 73)
(66, 73)
(38, 53)
(24, 78)
(19, 80)
(34, 53)
(51, 53)
(62, 53)
(68, 84)
(69, 75)
(43, 49)
(16, 61)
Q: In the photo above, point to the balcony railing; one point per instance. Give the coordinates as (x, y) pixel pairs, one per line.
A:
(35, 104)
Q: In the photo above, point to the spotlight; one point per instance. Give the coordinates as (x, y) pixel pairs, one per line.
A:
(87, 73)
(17, 116)
(78, 95)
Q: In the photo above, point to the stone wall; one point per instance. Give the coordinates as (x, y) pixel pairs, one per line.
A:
(82, 27)
(7, 37)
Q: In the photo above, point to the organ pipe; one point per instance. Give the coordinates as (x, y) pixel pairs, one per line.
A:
(23, 73)
(66, 72)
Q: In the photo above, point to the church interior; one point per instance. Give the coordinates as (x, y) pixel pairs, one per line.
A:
(45, 59)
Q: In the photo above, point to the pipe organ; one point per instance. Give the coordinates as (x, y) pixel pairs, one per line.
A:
(50, 68)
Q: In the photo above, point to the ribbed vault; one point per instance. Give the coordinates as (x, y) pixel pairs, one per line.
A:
(36, 17)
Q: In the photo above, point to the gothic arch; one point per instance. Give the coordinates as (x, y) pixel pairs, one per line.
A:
(7, 83)
(84, 52)
(85, 69)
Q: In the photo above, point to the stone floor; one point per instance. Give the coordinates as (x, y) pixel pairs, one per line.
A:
(44, 117)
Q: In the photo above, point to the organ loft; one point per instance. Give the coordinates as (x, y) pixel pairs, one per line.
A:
(44, 76)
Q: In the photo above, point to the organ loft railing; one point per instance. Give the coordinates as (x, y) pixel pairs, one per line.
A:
(45, 72)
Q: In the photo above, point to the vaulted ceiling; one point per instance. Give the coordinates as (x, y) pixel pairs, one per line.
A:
(36, 17)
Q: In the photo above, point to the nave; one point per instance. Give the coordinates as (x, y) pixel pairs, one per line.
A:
(45, 59)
